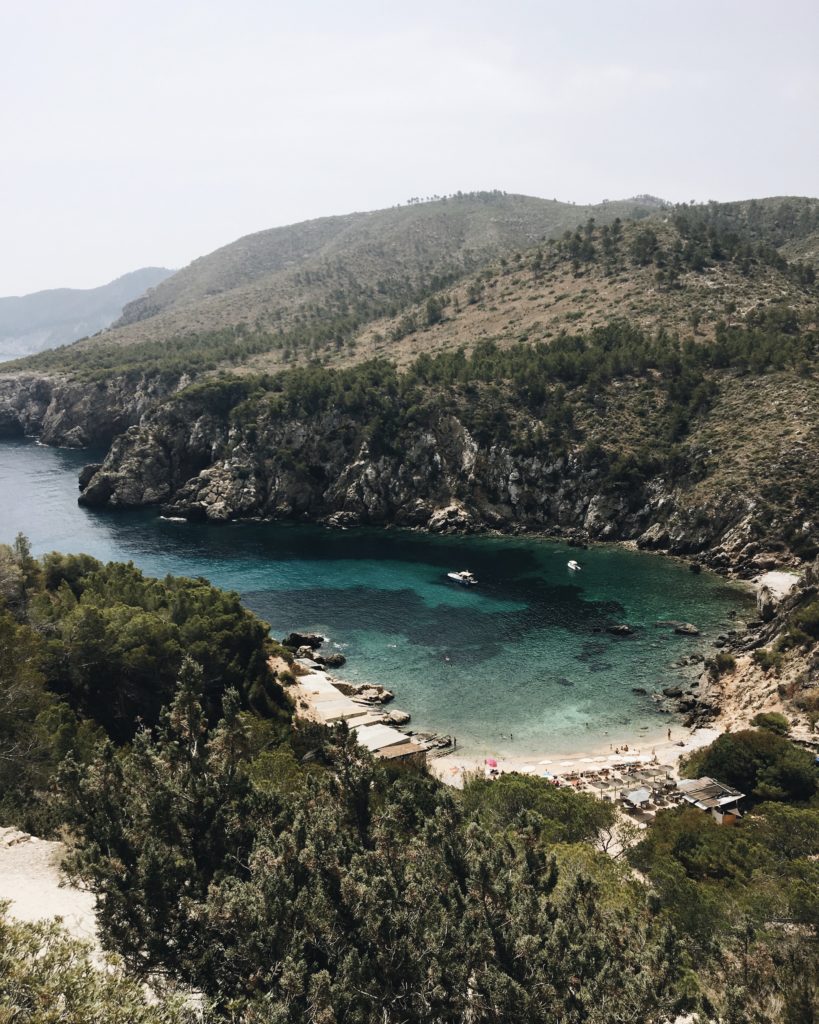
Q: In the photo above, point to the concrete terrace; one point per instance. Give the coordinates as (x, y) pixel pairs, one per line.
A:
(318, 699)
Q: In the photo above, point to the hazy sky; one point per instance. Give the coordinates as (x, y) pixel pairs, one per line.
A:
(149, 133)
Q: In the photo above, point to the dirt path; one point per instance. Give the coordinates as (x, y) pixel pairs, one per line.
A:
(30, 877)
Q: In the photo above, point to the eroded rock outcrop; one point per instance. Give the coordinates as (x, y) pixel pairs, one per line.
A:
(77, 414)
(198, 462)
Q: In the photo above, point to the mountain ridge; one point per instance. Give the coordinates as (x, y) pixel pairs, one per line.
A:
(51, 317)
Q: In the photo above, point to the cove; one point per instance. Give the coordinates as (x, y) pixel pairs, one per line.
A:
(520, 664)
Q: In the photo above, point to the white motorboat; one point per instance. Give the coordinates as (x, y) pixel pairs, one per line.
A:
(574, 566)
(464, 577)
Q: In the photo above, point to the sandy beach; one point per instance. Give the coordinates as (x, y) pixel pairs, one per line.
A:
(451, 767)
(317, 699)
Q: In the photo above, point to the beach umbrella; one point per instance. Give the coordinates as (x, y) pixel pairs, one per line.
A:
(546, 760)
(587, 760)
(528, 769)
(491, 762)
(567, 764)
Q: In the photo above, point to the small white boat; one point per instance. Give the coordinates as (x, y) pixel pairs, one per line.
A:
(574, 566)
(464, 577)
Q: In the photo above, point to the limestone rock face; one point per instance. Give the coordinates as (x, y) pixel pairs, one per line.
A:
(452, 519)
(195, 458)
(23, 405)
(655, 537)
(75, 415)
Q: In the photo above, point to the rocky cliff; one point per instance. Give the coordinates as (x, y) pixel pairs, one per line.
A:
(200, 462)
(75, 414)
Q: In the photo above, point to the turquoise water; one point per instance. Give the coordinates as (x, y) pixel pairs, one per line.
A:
(521, 664)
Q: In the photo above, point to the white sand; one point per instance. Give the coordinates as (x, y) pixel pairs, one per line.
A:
(30, 877)
(779, 582)
(451, 767)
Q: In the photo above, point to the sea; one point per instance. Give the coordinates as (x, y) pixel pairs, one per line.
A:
(520, 665)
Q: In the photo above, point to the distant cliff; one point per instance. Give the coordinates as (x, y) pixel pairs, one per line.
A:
(739, 496)
(71, 414)
(44, 320)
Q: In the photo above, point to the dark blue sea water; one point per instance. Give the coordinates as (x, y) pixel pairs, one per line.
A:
(521, 664)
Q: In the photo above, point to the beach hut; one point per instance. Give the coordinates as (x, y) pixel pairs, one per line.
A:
(717, 799)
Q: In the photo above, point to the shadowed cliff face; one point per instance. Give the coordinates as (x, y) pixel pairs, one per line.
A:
(72, 414)
(741, 491)
(199, 463)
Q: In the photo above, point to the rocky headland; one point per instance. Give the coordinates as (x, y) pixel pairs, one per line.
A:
(198, 461)
(77, 414)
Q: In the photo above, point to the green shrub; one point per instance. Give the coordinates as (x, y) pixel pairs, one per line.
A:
(46, 975)
(759, 763)
(772, 721)
(559, 815)
(724, 662)
(806, 619)
(767, 659)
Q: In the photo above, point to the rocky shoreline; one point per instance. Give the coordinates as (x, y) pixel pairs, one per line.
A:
(194, 460)
(319, 697)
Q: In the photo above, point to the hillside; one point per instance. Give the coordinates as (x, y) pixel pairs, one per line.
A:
(253, 279)
(309, 287)
(43, 320)
(342, 290)
(647, 272)
(805, 249)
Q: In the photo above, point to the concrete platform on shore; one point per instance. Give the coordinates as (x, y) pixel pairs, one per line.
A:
(318, 699)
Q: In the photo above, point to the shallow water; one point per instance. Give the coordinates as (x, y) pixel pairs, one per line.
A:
(518, 665)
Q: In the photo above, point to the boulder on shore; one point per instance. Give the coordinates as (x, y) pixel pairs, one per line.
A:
(296, 640)
(686, 629)
(332, 660)
(452, 519)
(766, 603)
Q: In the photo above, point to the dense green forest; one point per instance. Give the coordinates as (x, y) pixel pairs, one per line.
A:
(93, 650)
(290, 877)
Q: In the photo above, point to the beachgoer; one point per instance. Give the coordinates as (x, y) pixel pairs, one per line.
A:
(669, 735)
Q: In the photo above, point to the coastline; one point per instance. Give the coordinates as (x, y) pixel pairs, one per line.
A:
(321, 697)
(451, 767)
